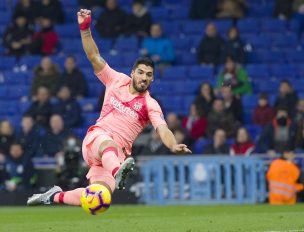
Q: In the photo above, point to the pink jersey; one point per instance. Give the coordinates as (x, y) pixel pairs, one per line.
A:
(123, 114)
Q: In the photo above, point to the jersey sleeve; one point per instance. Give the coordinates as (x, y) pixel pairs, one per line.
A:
(107, 75)
(155, 113)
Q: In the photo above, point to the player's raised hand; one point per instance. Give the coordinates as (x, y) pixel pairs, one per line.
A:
(181, 149)
(84, 19)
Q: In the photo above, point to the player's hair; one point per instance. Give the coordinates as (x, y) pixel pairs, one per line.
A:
(143, 60)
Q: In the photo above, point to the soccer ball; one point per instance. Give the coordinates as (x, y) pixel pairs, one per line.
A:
(95, 199)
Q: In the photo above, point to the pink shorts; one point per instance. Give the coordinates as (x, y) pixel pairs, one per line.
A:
(90, 147)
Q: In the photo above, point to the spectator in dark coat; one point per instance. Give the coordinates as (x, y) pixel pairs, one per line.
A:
(7, 136)
(234, 46)
(139, 21)
(52, 142)
(211, 47)
(19, 169)
(263, 112)
(68, 108)
(47, 75)
(41, 109)
(287, 98)
(299, 117)
(218, 145)
(29, 136)
(51, 9)
(45, 41)
(279, 135)
(18, 36)
(204, 99)
(195, 123)
(234, 9)
(155, 146)
(89, 4)
(203, 9)
(111, 22)
(219, 118)
(299, 142)
(26, 8)
(73, 78)
(232, 104)
(282, 9)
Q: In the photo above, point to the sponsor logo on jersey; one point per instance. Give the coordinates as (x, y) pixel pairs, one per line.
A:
(137, 106)
(123, 109)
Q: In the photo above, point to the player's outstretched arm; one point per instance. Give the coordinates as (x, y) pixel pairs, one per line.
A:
(88, 43)
(169, 140)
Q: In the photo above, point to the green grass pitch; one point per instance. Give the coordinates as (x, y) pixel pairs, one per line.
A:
(154, 219)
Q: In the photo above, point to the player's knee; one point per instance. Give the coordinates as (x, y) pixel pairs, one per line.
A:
(106, 144)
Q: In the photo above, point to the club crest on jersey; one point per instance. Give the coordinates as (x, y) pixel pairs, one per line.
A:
(137, 106)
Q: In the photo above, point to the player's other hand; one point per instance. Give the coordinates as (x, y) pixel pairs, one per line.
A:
(82, 15)
(181, 149)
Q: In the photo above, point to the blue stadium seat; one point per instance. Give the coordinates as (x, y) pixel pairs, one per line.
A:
(250, 101)
(258, 10)
(294, 26)
(250, 25)
(182, 87)
(273, 25)
(200, 144)
(175, 73)
(114, 61)
(195, 40)
(248, 115)
(257, 71)
(254, 131)
(259, 41)
(161, 88)
(126, 44)
(86, 101)
(9, 107)
(171, 103)
(30, 61)
(188, 100)
(180, 13)
(196, 27)
(3, 91)
(18, 91)
(181, 44)
(7, 62)
(70, 3)
(71, 46)
(90, 119)
(280, 71)
(223, 26)
(95, 90)
(183, 58)
(298, 85)
(170, 28)
(294, 56)
(68, 30)
(128, 59)
(159, 13)
(270, 87)
(80, 132)
(285, 41)
(5, 18)
(201, 72)
(269, 57)
(13, 78)
(24, 105)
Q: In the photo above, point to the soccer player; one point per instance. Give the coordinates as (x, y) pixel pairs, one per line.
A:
(127, 109)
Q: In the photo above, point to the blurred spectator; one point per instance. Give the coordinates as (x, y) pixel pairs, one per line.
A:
(158, 47)
(243, 145)
(89, 4)
(41, 109)
(173, 121)
(155, 146)
(235, 9)
(7, 136)
(17, 36)
(204, 99)
(282, 9)
(232, 104)
(279, 135)
(67, 107)
(47, 75)
(195, 123)
(234, 76)
(263, 112)
(19, 169)
(139, 21)
(299, 143)
(211, 47)
(111, 22)
(219, 118)
(218, 145)
(182, 137)
(26, 8)
(234, 46)
(29, 136)
(52, 142)
(50, 9)
(68, 164)
(46, 40)
(73, 78)
(287, 98)
(203, 9)
(298, 9)
(300, 111)
(282, 177)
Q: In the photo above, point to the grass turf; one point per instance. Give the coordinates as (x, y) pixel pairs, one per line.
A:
(154, 219)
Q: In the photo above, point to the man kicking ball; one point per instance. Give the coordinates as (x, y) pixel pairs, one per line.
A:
(127, 110)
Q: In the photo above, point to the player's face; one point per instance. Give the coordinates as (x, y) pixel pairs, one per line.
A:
(142, 77)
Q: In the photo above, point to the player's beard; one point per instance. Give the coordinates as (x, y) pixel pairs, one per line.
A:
(137, 86)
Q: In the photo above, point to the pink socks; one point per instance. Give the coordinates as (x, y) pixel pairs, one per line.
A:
(109, 160)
